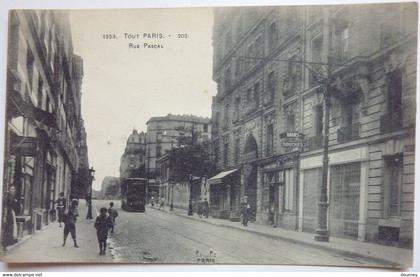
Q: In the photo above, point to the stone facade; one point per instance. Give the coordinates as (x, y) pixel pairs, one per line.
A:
(270, 65)
(133, 161)
(45, 141)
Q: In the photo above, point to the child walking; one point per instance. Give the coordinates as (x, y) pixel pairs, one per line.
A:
(102, 224)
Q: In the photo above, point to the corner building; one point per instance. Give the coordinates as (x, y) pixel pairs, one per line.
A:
(268, 117)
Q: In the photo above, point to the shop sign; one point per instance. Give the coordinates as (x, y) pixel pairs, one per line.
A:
(291, 140)
(23, 146)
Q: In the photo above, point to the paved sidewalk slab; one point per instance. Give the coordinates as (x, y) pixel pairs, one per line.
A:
(394, 256)
(45, 245)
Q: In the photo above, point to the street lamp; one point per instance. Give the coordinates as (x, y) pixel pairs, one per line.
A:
(92, 177)
(172, 196)
(190, 207)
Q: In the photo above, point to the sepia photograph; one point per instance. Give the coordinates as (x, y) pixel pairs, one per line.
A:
(243, 135)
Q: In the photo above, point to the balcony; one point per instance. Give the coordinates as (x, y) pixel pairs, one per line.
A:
(348, 133)
(390, 123)
(313, 143)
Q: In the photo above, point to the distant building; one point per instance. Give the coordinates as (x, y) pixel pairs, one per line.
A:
(268, 116)
(165, 132)
(110, 188)
(133, 160)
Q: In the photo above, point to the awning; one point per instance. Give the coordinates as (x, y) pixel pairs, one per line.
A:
(217, 179)
(26, 109)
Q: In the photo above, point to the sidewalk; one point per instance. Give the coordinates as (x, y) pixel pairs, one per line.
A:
(393, 256)
(45, 245)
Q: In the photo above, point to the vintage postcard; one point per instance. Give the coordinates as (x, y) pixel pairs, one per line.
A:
(279, 135)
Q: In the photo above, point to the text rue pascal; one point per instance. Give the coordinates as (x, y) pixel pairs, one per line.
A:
(145, 45)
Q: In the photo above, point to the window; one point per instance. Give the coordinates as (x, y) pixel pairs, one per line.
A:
(316, 57)
(227, 78)
(238, 67)
(343, 43)
(228, 41)
(40, 88)
(272, 35)
(30, 66)
(394, 94)
(237, 106)
(290, 122)
(289, 190)
(319, 120)
(257, 95)
(225, 154)
(216, 151)
(270, 140)
(271, 86)
(259, 45)
(293, 73)
(248, 96)
(158, 151)
(205, 128)
(393, 181)
(237, 150)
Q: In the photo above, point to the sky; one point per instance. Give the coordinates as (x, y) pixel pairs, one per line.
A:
(123, 87)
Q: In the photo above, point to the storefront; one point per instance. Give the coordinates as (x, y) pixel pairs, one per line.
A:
(347, 186)
(279, 191)
(225, 195)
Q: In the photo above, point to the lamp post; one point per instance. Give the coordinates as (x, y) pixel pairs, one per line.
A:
(92, 177)
(190, 207)
(172, 196)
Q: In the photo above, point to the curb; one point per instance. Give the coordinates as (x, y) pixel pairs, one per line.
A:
(389, 263)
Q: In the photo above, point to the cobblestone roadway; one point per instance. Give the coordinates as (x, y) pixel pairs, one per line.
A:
(159, 237)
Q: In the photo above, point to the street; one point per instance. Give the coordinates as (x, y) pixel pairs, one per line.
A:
(160, 237)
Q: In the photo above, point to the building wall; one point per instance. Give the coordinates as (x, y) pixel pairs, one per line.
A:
(372, 41)
(44, 81)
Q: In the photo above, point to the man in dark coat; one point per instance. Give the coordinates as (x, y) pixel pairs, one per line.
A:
(61, 207)
(70, 223)
(245, 209)
(206, 208)
(13, 207)
(113, 214)
(102, 224)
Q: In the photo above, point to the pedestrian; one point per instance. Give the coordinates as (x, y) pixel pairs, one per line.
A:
(102, 224)
(61, 207)
(13, 207)
(152, 201)
(70, 223)
(162, 203)
(200, 208)
(206, 208)
(245, 209)
(113, 214)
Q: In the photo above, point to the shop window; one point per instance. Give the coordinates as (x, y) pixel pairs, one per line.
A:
(392, 184)
(344, 199)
